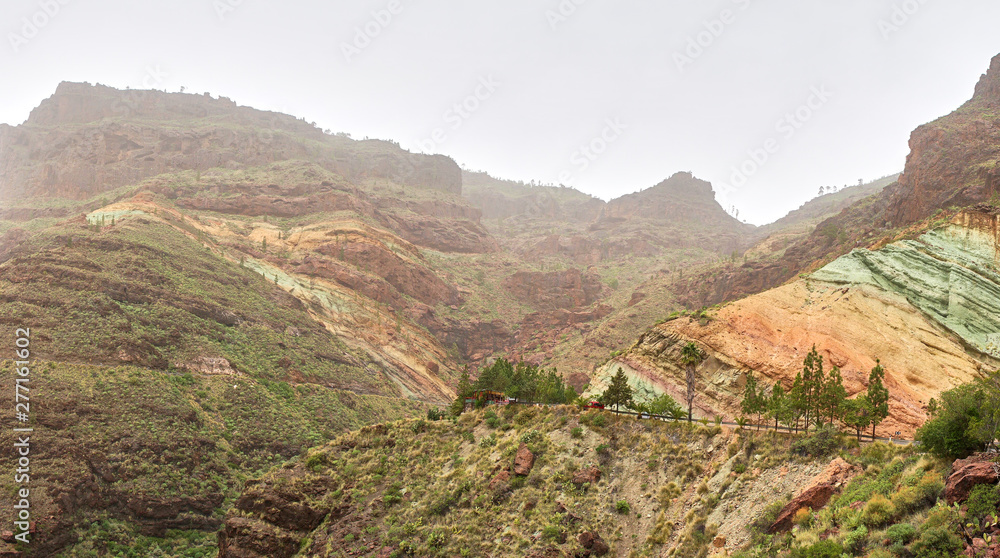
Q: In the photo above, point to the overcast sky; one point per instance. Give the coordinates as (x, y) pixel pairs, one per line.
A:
(608, 96)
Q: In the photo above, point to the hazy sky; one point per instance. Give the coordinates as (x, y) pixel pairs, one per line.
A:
(609, 96)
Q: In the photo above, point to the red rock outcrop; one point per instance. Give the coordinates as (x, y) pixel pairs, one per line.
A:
(593, 545)
(524, 460)
(591, 475)
(818, 493)
(500, 479)
(980, 468)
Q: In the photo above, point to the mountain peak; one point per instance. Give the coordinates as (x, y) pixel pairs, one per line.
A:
(988, 88)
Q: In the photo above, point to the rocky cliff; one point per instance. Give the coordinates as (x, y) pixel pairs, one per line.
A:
(954, 162)
(85, 140)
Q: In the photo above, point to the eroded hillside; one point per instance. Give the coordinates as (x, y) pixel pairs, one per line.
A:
(926, 307)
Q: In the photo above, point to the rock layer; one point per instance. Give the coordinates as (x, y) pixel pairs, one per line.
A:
(926, 308)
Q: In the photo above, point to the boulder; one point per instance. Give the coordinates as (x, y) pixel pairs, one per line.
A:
(523, 461)
(593, 544)
(502, 478)
(967, 473)
(818, 493)
(591, 475)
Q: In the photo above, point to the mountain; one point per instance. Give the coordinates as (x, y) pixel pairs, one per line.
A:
(244, 285)
(904, 276)
(953, 162)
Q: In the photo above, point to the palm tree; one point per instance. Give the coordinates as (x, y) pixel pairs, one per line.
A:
(691, 357)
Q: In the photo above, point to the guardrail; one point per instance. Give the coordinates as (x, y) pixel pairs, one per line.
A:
(746, 426)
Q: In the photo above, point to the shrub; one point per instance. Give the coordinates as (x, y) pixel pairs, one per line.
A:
(855, 540)
(983, 500)
(907, 500)
(878, 511)
(525, 416)
(668, 492)
(530, 436)
(878, 453)
(419, 426)
(435, 414)
(437, 538)
(491, 419)
(577, 432)
(941, 516)
(551, 533)
(488, 441)
(393, 494)
(901, 533)
(599, 420)
(316, 461)
(622, 507)
(740, 467)
(822, 549)
(820, 443)
(930, 486)
(937, 542)
(803, 518)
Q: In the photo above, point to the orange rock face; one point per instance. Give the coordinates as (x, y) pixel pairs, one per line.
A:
(771, 333)
(837, 474)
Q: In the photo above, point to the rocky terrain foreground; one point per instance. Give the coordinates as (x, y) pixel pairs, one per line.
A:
(557, 482)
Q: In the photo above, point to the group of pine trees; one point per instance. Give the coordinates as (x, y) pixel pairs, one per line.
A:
(818, 398)
(522, 381)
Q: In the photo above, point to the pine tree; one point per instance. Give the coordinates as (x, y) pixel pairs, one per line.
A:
(797, 400)
(618, 392)
(878, 396)
(812, 385)
(754, 402)
(834, 394)
(857, 414)
(691, 357)
(777, 405)
(463, 391)
(748, 405)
